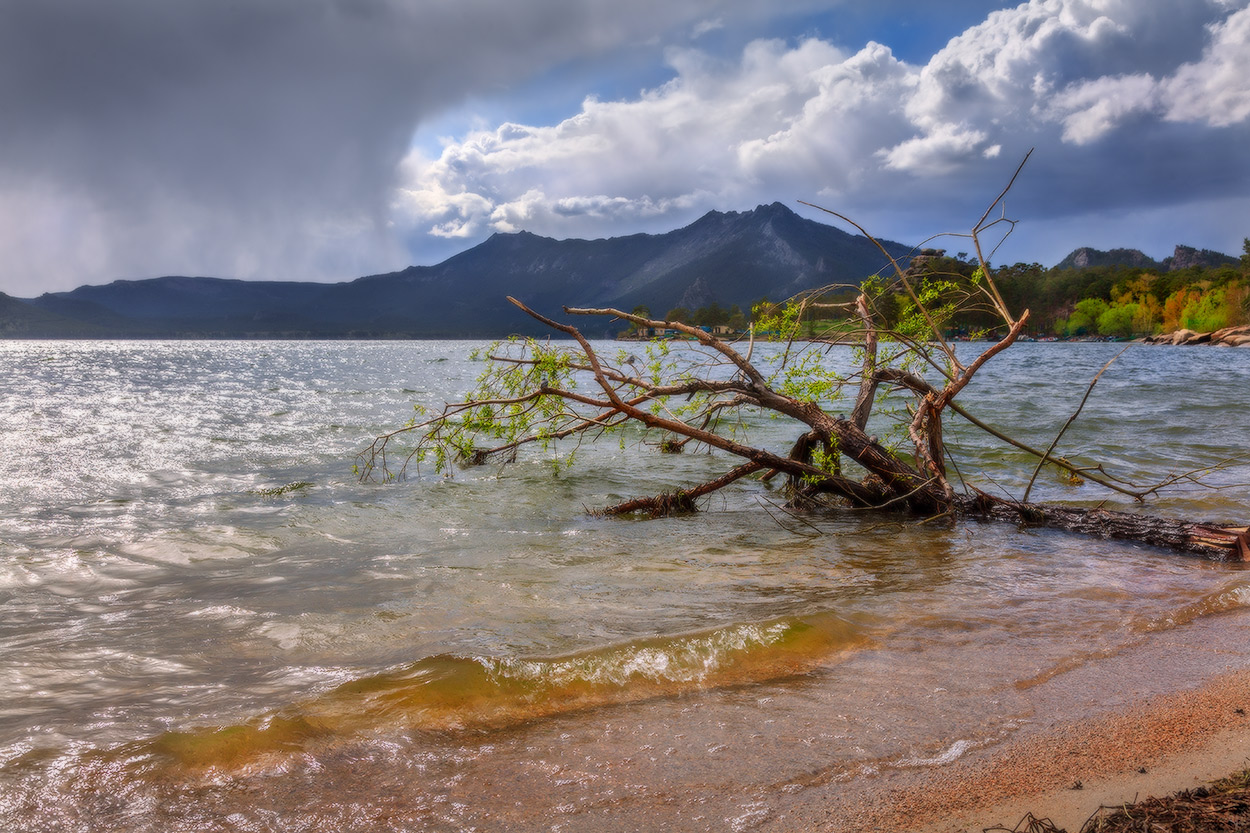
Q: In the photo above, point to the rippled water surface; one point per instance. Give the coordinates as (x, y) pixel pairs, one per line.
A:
(207, 623)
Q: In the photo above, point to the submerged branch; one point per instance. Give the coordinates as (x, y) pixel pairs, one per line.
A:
(1214, 540)
(682, 500)
(544, 394)
(1061, 462)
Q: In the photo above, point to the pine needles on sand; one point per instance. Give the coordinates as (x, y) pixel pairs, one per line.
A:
(1221, 807)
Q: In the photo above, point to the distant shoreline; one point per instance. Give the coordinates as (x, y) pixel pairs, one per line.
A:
(1229, 337)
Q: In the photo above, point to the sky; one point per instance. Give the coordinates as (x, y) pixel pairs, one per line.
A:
(328, 139)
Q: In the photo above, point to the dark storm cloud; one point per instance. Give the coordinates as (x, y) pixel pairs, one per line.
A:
(250, 138)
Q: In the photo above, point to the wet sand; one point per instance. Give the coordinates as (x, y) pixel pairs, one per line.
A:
(1065, 773)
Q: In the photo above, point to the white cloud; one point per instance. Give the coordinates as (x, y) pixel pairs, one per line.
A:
(1216, 89)
(1086, 64)
(799, 120)
(1213, 91)
(941, 151)
(703, 27)
(711, 134)
(1090, 110)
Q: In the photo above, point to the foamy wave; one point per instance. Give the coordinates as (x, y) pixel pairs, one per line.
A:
(956, 751)
(689, 659)
(452, 693)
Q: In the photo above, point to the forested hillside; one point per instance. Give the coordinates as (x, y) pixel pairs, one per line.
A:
(1117, 294)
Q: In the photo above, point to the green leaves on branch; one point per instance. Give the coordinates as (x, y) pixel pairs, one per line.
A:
(514, 400)
(940, 296)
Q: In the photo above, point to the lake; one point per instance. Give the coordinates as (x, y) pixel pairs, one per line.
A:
(208, 623)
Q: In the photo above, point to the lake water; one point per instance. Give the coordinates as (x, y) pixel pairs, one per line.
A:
(207, 622)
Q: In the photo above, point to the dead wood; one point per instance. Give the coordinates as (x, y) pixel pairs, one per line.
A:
(1220, 541)
(677, 502)
(1221, 807)
(545, 393)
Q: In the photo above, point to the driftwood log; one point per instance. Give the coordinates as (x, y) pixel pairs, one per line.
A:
(1220, 541)
(917, 486)
(537, 392)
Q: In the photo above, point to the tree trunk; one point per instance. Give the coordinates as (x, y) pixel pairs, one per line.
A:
(1214, 540)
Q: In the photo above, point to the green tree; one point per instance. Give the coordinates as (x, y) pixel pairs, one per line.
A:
(1117, 321)
(1084, 318)
(711, 314)
(762, 309)
(1237, 300)
(1206, 313)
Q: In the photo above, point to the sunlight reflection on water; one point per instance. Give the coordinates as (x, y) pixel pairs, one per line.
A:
(184, 548)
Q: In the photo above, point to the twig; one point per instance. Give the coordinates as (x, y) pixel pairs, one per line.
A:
(1068, 424)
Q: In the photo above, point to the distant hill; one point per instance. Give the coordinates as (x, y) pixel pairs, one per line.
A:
(1085, 258)
(1183, 257)
(724, 257)
(181, 306)
(21, 319)
(1186, 257)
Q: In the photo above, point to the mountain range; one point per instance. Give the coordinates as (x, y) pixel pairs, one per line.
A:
(723, 257)
(1182, 257)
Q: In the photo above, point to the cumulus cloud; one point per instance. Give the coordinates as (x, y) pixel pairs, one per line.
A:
(1131, 104)
(1211, 91)
(713, 133)
(942, 150)
(250, 139)
(1215, 89)
(703, 27)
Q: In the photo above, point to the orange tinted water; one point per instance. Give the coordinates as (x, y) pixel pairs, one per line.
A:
(187, 645)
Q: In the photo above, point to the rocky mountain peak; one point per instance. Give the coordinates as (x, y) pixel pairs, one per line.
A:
(1186, 257)
(1085, 257)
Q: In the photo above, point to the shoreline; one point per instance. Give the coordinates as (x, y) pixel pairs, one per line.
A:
(1066, 772)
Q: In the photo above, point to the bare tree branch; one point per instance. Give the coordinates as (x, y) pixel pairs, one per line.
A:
(538, 394)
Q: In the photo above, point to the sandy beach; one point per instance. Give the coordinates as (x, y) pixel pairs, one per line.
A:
(1164, 744)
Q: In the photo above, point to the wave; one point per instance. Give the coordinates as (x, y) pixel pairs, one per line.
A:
(1227, 599)
(1073, 662)
(951, 754)
(451, 693)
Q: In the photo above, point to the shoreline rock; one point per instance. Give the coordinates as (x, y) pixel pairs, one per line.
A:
(1227, 337)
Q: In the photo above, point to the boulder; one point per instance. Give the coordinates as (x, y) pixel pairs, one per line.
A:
(1232, 336)
(1228, 335)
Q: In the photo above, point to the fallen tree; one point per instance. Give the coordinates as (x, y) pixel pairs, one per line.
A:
(540, 392)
